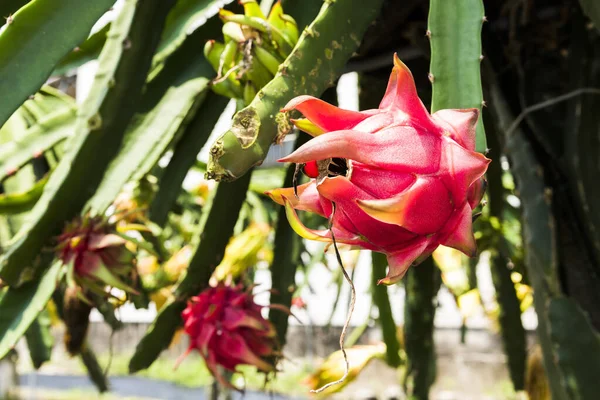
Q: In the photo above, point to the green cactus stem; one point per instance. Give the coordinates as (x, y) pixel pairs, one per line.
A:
(215, 230)
(38, 36)
(101, 123)
(184, 156)
(16, 203)
(303, 12)
(85, 52)
(576, 348)
(93, 368)
(164, 115)
(40, 340)
(185, 16)
(287, 248)
(19, 307)
(454, 31)
(539, 234)
(386, 319)
(422, 283)
(511, 327)
(314, 64)
(43, 134)
(592, 10)
(8, 8)
(87, 355)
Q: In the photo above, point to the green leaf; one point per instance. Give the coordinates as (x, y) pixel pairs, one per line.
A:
(19, 307)
(40, 35)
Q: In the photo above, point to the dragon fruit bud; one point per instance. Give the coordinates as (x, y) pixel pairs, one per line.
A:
(403, 181)
(226, 327)
(95, 255)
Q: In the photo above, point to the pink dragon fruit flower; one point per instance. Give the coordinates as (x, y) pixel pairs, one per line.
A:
(403, 181)
(95, 256)
(226, 327)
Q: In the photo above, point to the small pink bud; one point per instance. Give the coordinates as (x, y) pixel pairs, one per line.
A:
(226, 327)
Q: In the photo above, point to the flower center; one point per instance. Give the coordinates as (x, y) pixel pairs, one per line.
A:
(337, 166)
(326, 168)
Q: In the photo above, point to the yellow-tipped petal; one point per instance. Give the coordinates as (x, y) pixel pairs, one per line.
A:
(299, 227)
(304, 124)
(252, 9)
(103, 274)
(422, 208)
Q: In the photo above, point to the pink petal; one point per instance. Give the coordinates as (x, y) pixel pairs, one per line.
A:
(324, 115)
(87, 263)
(401, 96)
(307, 200)
(476, 192)
(399, 147)
(461, 232)
(344, 193)
(423, 208)
(100, 241)
(204, 337)
(401, 260)
(380, 183)
(322, 235)
(460, 168)
(234, 345)
(377, 122)
(460, 124)
(235, 318)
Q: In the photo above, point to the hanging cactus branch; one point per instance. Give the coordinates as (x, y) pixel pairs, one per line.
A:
(314, 64)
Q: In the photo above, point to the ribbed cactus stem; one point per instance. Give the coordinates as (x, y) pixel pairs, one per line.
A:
(286, 257)
(19, 307)
(35, 39)
(101, 123)
(184, 156)
(314, 64)
(538, 228)
(386, 319)
(454, 31)
(422, 284)
(511, 327)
